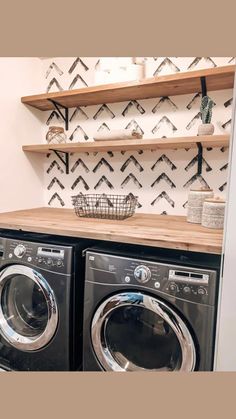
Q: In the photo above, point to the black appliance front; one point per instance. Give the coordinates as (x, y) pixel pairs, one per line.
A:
(37, 313)
(147, 316)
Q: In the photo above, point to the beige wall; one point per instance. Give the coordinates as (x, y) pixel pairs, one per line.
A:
(21, 178)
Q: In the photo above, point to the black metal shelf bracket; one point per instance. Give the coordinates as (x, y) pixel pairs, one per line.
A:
(203, 86)
(64, 117)
(199, 159)
(65, 160)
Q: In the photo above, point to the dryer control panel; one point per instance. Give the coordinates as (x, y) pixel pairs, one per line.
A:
(50, 257)
(186, 283)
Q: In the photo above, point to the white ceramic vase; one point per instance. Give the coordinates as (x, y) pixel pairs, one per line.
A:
(206, 129)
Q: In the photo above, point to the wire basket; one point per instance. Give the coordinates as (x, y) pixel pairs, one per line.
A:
(112, 207)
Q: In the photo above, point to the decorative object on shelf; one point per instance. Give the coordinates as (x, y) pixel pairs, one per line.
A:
(196, 198)
(56, 135)
(112, 207)
(206, 128)
(118, 69)
(119, 134)
(135, 72)
(213, 213)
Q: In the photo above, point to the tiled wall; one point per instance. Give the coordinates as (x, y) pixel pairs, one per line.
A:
(161, 179)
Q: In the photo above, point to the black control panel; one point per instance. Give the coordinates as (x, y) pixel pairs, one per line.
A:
(50, 257)
(191, 284)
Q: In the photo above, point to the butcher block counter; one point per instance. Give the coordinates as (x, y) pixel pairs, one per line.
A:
(172, 232)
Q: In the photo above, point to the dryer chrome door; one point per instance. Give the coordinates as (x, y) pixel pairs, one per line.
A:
(133, 331)
(28, 309)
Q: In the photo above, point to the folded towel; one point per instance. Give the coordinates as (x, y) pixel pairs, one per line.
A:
(119, 134)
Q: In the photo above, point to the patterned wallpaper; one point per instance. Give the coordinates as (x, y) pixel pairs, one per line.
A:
(160, 179)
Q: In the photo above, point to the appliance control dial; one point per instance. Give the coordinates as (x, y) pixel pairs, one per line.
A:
(19, 250)
(187, 290)
(202, 291)
(173, 287)
(142, 273)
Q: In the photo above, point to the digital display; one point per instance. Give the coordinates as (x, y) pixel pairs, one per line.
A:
(197, 276)
(49, 252)
(191, 277)
(181, 273)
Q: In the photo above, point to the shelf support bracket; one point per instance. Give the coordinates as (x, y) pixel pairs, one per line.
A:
(199, 159)
(64, 160)
(203, 86)
(64, 117)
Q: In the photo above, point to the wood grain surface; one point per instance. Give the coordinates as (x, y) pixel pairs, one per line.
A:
(118, 145)
(172, 232)
(168, 85)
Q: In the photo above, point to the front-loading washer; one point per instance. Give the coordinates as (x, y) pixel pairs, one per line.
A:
(41, 302)
(147, 315)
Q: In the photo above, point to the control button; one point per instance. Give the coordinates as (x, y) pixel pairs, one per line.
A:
(201, 291)
(142, 273)
(173, 287)
(40, 260)
(19, 250)
(29, 259)
(10, 255)
(49, 261)
(127, 279)
(59, 263)
(187, 290)
(157, 284)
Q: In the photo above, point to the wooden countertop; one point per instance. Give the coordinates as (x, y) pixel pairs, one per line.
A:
(172, 232)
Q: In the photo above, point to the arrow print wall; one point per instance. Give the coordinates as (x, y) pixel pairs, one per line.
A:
(160, 179)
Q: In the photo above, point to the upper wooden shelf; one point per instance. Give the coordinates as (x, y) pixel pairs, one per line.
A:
(118, 145)
(169, 85)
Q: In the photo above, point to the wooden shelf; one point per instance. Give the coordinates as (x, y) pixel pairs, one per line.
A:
(123, 145)
(169, 85)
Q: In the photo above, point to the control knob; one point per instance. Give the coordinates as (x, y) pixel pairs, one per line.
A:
(142, 274)
(201, 291)
(19, 250)
(173, 287)
(187, 290)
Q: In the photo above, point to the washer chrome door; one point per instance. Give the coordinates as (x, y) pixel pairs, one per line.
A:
(133, 331)
(28, 309)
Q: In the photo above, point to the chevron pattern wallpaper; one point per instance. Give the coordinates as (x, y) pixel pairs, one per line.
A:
(160, 179)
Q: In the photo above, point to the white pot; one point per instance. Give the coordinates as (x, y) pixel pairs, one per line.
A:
(206, 129)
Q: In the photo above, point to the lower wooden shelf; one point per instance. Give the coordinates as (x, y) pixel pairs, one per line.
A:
(123, 145)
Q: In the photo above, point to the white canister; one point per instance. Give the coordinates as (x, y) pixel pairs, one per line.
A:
(196, 198)
(135, 72)
(213, 213)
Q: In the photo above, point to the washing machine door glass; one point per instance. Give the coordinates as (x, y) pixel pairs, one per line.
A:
(28, 309)
(137, 332)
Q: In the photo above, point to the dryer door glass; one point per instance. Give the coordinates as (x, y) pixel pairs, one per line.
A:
(28, 312)
(137, 332)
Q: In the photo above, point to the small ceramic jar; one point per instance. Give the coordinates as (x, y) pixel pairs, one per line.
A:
(206, 129)
(213, 213)
(196, 198)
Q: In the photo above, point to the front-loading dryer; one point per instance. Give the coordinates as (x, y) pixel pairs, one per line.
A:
(37, 310)
(143, 315)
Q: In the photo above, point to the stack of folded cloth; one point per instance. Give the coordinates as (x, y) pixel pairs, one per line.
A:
(120, 134)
